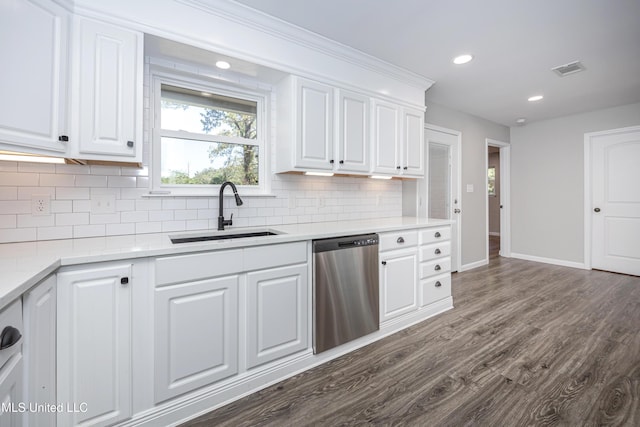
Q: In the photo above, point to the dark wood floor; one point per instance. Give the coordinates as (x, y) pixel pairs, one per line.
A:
(527, 344)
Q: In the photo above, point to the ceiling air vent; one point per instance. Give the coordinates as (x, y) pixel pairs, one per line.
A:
(570, 68)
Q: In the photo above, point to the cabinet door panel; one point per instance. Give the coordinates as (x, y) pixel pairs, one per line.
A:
(109, 62)
(353, 143)
(413, 143)
(386, 138)
(398, 278)
(33, 51)
(11, 392)
(315, 127)
(276, 313)
(94, 344)
(40, 349)
(196, 335)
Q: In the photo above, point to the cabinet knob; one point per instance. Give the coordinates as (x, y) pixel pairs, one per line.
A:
(437, 234)
(437, 267)
(438, 252)
(63, 138)
(124, 281)
(596, 210)
(405, 168)
(398, 167)
(341, 162)
(400, 240)
(9, 337)
(331, 161)
(384, 262)
(438, 284)
(130, 144)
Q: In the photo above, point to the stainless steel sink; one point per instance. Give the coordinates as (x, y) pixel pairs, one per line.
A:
(190, 238)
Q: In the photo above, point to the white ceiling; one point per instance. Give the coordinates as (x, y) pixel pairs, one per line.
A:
(515, 44)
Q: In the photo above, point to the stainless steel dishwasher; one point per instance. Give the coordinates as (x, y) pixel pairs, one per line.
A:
(345, 289)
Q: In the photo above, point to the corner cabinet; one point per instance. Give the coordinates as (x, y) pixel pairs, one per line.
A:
(11, 365)
(33, 109)
(94, 344)
(107, 70)
(398, 140)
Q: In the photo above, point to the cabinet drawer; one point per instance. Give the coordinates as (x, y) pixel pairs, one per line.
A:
(436, 250)
(433, 235)
(187, 268)
(259, 257)
(11, 317)
(398, 240)
(435, 289)
(432, 268)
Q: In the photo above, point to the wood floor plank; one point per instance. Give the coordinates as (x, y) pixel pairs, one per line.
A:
(526, 344)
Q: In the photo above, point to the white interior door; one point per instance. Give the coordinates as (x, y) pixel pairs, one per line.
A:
(615, 200)
(443, 183)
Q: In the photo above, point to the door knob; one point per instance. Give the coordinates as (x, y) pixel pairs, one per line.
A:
(596, 210)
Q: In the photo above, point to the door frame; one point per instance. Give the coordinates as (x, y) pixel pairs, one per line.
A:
(588, 188)
(505, 195)
(458, 161)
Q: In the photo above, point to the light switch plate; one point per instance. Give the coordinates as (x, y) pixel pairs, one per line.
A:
(103, 204)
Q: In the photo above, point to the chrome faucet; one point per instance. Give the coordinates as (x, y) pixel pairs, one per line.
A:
(221, 221)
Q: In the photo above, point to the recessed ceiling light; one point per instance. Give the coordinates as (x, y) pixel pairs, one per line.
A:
(223, 65)
(521, 120)
(462, 59)
(535, 98)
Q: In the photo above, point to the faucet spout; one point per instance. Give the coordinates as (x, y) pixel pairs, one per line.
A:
(221, 221)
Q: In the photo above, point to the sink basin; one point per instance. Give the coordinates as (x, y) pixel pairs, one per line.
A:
(186, 238)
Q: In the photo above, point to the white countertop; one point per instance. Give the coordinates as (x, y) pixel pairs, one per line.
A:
(23, 265)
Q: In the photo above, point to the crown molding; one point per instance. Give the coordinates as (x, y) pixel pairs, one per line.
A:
(275, 27)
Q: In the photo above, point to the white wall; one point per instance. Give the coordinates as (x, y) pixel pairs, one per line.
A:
(547, 182)
(474, 132)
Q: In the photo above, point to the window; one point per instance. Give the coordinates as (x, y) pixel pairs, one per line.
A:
(491, 175)
(206, 135)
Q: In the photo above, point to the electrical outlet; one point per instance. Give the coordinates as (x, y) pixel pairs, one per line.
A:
(40, 204)
(103, 204)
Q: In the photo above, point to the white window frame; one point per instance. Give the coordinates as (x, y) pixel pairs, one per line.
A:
(160, 77)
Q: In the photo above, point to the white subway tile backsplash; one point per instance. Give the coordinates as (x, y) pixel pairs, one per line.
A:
(55, 180)
(8, 193)
(15, 206)
(125, 205)
(185, 214)
(28, 220)
(91, 181)
(73, 169)
(168, 204)
(197, 203)
(97, 230)
(168, 226)
(82, 206)
(8, 221)
(66, 193)
(8, 166)
(122, 181)
(17, 235)
(81, 218)
(134, 216)
(120, 229)
(105, 170)
(148, 227)
(112, 218)
(160, 215)
(54, 233)
(15, 179)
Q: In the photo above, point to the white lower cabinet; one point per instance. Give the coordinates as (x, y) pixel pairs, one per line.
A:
(398, 283)
(276, 313)
(196, 335)
(11, 365)
(40, 351)
(94, 344)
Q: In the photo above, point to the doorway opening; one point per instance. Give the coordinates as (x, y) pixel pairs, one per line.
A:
(498, 228)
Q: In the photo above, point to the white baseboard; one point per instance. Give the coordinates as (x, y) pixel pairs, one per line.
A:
(473, 265)
(494, 233)
(553, 261)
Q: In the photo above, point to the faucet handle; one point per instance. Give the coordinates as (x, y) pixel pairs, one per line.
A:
(231, 219)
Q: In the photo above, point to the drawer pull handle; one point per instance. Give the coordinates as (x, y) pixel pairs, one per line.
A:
(438, 284)
(438, 252)
(384, 262)
(400, 240)
(437, 234)
(437, 267)
(9, 337)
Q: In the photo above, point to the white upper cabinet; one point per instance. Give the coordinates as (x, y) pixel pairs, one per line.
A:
(107, 91)
(413, 143)
(33, 48)
(398, 140)
(386, 138)
(305, 125)
(353, 154)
